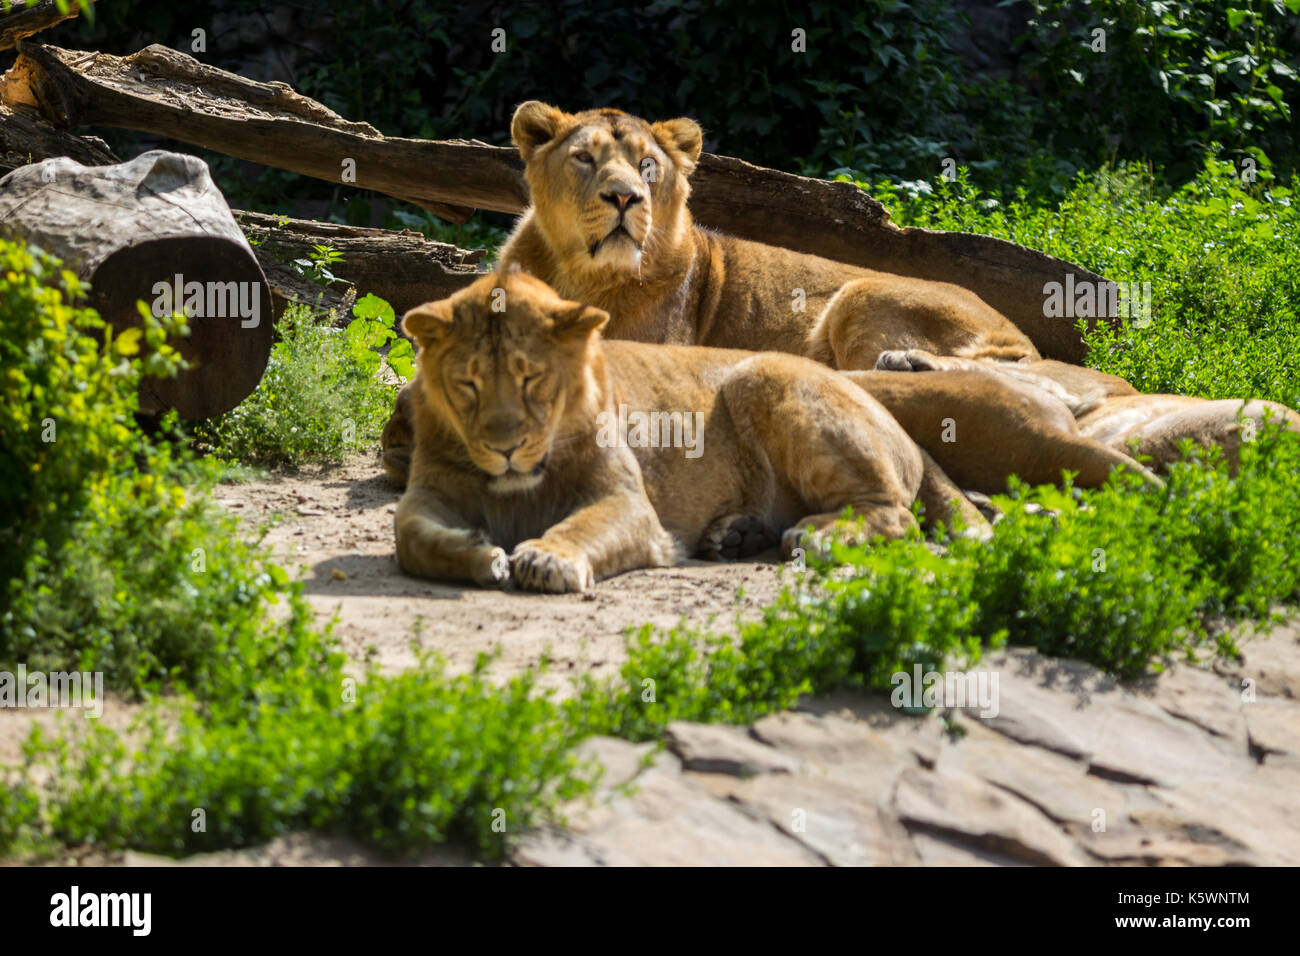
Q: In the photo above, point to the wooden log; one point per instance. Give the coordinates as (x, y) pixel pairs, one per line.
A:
(141, 231)
(166, 92)
(19, 20)
(403, 268)
(27, 137)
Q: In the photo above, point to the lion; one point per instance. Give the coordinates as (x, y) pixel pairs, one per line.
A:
(514, 470)
(609, 226)
(518, 475)
(1111, 412)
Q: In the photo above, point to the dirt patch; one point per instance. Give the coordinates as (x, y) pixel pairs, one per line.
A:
(334, 526)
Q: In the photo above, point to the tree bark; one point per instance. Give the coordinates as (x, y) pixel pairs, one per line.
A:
(403, 268)
(22, 21)
(162, 91)
(26, 137)
(138, 230)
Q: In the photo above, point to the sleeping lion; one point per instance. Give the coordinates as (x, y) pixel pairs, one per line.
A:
(521, 473)
(522, 465)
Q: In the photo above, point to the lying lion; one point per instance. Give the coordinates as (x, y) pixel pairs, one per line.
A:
(512, 411)
(1112, 412)
(508, 451)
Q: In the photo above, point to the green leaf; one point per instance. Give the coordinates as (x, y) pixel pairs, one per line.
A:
(370, 306)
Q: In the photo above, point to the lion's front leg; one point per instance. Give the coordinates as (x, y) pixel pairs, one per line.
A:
(616, 533)
(432, 542)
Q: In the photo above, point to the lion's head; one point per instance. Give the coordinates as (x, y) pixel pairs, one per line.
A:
(608, 189)
(505, 363)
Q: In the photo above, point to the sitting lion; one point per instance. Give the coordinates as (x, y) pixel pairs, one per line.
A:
(609, 226)
(519, 418)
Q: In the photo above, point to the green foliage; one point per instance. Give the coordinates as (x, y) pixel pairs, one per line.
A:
(1120, 577)
(126, 568)
(404, 763)
(885, 88)
(115, 559)
(1219, 254)
(1173, 78)
(316, 266)
(322, 395)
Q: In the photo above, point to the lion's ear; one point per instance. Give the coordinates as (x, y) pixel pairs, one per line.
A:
(535, 124)
(683, 136)
(574, 321)
(428, 323)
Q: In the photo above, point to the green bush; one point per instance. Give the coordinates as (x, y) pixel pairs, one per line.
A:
(122, 565)
(1219, 254)
(321, 396)
(403, 763)
(116, 560)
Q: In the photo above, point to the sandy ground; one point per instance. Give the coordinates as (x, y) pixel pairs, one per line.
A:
(334, 527)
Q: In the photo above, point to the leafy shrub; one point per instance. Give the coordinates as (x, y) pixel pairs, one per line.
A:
(125, 568)
(1119, 577)
(322, 395)
(115, 559)
(412, 761)
(1174, 78)
(1219, 254)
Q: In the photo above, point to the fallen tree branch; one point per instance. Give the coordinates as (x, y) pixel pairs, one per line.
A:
(162, 91)
(27, 137)
(404, 268)
(19, 21)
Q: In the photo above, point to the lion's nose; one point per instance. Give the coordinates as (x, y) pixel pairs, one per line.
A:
(621, 198)
(506, 452)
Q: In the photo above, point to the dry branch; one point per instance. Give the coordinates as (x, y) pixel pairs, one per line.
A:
(20, 21)
(162, 91)
(27, 137)
(404, 268)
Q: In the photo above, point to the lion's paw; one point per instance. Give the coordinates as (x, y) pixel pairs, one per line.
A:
(907, 360)
(494, 568)
(539, 567)
(736, 536)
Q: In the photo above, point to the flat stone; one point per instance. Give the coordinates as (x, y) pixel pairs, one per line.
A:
(846, 750)
(621, 759)
(1200, 696)
(1150, 846)
(1259, 810)
(1059, 786)
(717, 748)
(918, 734)
(970, 811)
(1271, 662)
(671, 820)
(935, 849)
(830, 818)
(1078, 711)
(1274, 727)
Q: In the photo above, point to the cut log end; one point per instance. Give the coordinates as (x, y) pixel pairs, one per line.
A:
(231, 328)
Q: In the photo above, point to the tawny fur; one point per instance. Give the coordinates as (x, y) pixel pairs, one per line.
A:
(664, 279)
(1111, 412)
(507, 480)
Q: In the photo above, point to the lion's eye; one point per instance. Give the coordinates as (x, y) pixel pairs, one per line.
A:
(583, 156)
(529, 379)
(467, 385)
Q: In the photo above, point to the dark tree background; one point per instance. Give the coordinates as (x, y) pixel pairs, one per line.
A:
(1016, 91)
